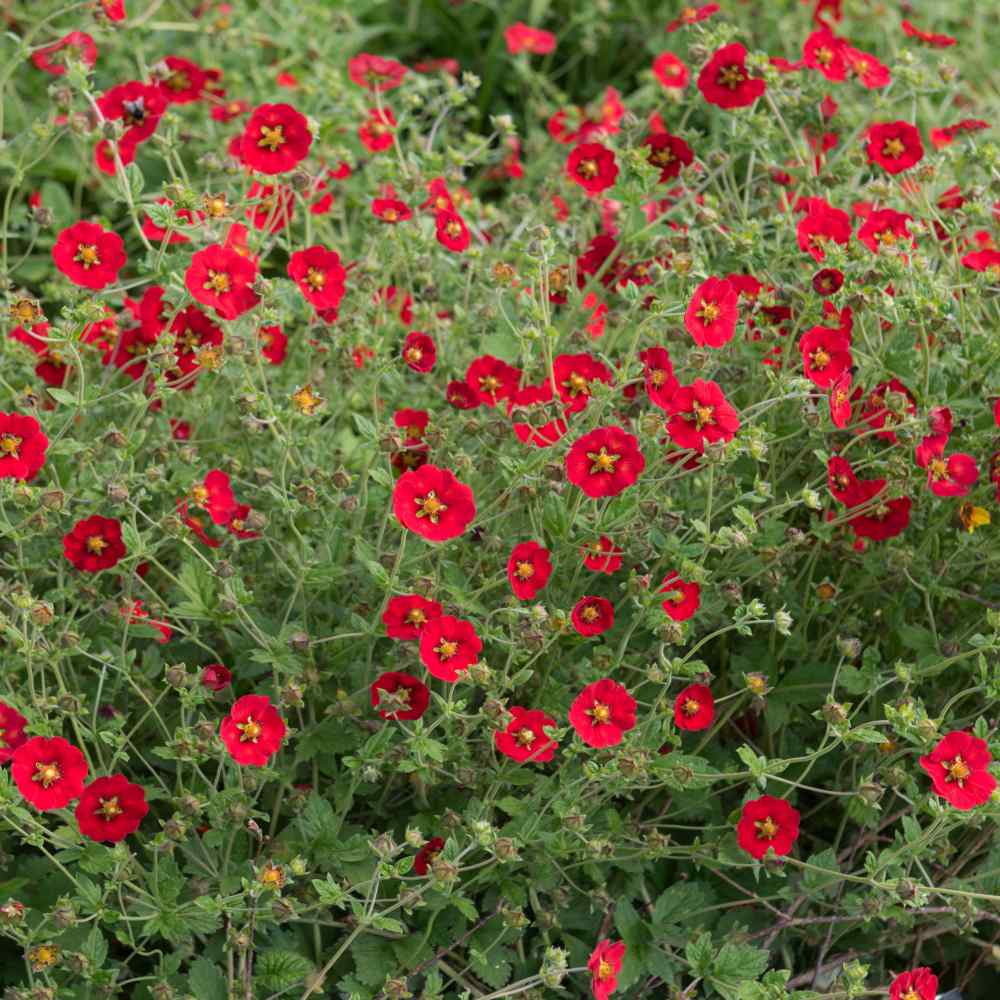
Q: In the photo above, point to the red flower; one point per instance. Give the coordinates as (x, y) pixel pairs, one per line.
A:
(535, 399)
(959, 770)
(694, 708)
(134, 614)
(826, 355)
(236, 525)
(271, 206)
(448, 646)
(574, 375)
(886, 519)
(194, 333)
(829, 281)
(877, 414)
(593, 616)
(868, 70)
(602, 556)
(528, 570)
(253, 731)
(659, 377)
(154, 232)
(692, 15)
(592, 166)
(684, 599)
(725, 81)
(824, 51)
(419, 351)
(452, 232)
(12, 736)
(214, 495)
(766, 823)
(426, 855)
(80, 45)
(605, 960)
(138, 106)
(525, 738)
(319, 275)
(604, 462)
(894, 146)
(275, 139)
(917, 984)
(377, 130)
(669, 153)
(49, 773)
(433, 503)
(22, 446)
(274, 343)
(884, 227)
(229, 110)
(113, 10)
(941, 137)
(391, 210)
(223, 279)
(840, 401)
(953, 476)
(937, 41)
(374, 72)
(492, 379)
(88, 255)
(821, 224)
(94, 544)
(111, 808)
(185, 82)
(409, 693)
(844, 485)
(712, 313)
(216, 677)
(461, 395)
(698, 414)
(602, 712)
(670, 71)
(406, 615)
(987, 261)
(521, 37)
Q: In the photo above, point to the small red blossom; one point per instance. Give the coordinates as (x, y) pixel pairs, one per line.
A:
(694, 708)
(319, 275)
(827, 282)
(138, 106)
(574, 376)
(602, 713)
(270, 207)
(658, 375)
(377, 130)
(712, 313)
(391, 210)
(275, 140)
(521, 37)
(876, 412)
(12, 736)
(22, 447)
(840, 401)
(75, 45)
(253, 731)
(867, 70)
(88, 255)
(725, 81)
(48, 772)
(222, 278)
(214, 495)
(951, 476)
(894, 146)
(684, 597)
(916, 984)
(669, 153)
(431, 502)
(409, 693)
(419, 351)
(134, 613)
(692, 15)
(406, 615)
(602, 556)
(985, 262)
(215, 677)
(826, 355)
(700, 414)
(936, 41)
(959, 770)
(528, 570)
(374, 72)
(452, 232)
(111, 808)
(525, 738)
(592, 166)
(94, 544)
(274, 343)
(824, 51)
(670, 71)
(492, 379)
(885, 227)
(822, 224)
(605, 960)
(941, 137)
(593, 616)
(885, 518)
(604, 462)
(766, 824)
(448, 647)
(426, 855)
(184, 81)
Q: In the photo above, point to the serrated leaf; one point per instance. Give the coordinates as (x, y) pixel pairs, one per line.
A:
(279, 969)
(206, 980)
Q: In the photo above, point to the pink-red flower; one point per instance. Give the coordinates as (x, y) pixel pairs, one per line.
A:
(452, 232)
(658, 373)
(76, 45)
(959, 769)
(604, 462)
(111, 808)
(319, 275)
(602, 556)
(725, 80)
(683, 597)
(492, 379)
(431, 502)
(12, 725)
(605, 960)
(712, 313)
(377, 130)
(22, 446)
(767, 823)
(406, 615)
(670, 71)
(947, 476)
(692, 15)
(375, 72)
(448, 647)
(700, 414)
(222, 278)
(253, 731)
(528, 570)
(602, 713)
(400, 696)
(593, 616)
(521, 37)
(419, 351)
(894, 146)
(275, 140)
(694, 708)
(48, 772)
(592, 166)
(668, 153)
(88, 255)
(826, 355)
(525, 738)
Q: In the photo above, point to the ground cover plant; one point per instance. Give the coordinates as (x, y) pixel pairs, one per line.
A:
(496, 499)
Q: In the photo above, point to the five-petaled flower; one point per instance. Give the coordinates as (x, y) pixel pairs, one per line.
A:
(48, 772)
(448, 647)
(406, 615)
(915, 984)
(222, 278)
(276, 139)
(12, 725)
(253, 731)
(959, 769)
(694, 708)
(319, 275)
(592, 166)
(894, 146)
(528, 570)
(605, 963)
(766, 824)
(712, 313)
(399, 695)
(604, 462)
(700, 414)
(725, 81)
(111, 808)
(525, 738)
(431, 502)
(683, 597)
(88, 255)
(602, 713)
(22, 446)
(521, 37)
(94, 543)
(593, 615)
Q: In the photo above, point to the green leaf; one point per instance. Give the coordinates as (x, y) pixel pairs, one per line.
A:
(699, 954)
(679, 901)
(733, 965)
(206, 980)
(279, 969)
(373, 959)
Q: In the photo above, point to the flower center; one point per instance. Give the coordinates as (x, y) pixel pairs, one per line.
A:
(46, 774)
(590, 613)
(587, 169)
(603, 462)
(86, 254)
(446, 649)
(703, 416)
(96, 544)
(218, 281)
(390, 215)
(215, 205)
(577, 384)
(731, 77)
(893, 148)
(887, 237)
(250, 731)
(9, 443)
(430, 507)
(939, 469)
(824, 56)
(178, 81)
(271, 137)
(958, 770)
(525, 570)
(820, 358)
(525, 737)
(658, 377)
(691, 707)
(489, 383)
(454, 229)
(415, 616)
(767, 829)
(662, 157)
(315, 279)
(414, 354)
(600, 712)
(199, 494)
(709, 312)
(109, 808)
(604, 970)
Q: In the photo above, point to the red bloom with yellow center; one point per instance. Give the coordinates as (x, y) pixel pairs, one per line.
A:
(916, 984)
(391, 210)
(605, 960)
(683, 597)
(525, 738)
(492, 379)
(406, 615)
(319, 275)
(138, 106)
(22, 447)
(111, 808)
(431, 502)
(375, 72)
(222, 278)
(377, 130)
(828, 281)
(947, 476)
(700, 414)
(604, 462)
(712, 313)
(883, 414)
(593, 616)
(52, 58)
(214, 495)
(840, 401)
(725, 81)
(452, 232)
(400, 696)
(882, 518)
(275, 140)
(692, 15)
(426, 855)
(521, 37)
(822, 224)
(602, 713)
(574, 375)
(48, 772)
(658, 373)
(94, 544)
(592, 166)
(985, 261)
(448, 647)
(694, 708)
(767, 823)
(88, 255)
(826, 355)
(885, 227)
(602, 556)
(959, 769)
(193, 333)
(894, 146)
(824, 51)
(253, 731)
(184, 81)
(867, 70)
(419, 351)
(528, 570)
(668, 153)
(670, 71)
(12, 725)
